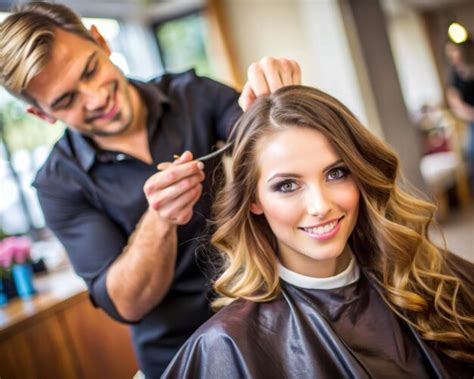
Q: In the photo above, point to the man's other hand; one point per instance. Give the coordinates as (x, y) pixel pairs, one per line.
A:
(266, 76)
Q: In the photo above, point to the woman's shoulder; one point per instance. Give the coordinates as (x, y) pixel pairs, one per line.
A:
(224, 344)
(241, 317)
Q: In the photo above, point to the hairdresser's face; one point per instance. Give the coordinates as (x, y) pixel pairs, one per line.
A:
(82, 87)
(308, 197)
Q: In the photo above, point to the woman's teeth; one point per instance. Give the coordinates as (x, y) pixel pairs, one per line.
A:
(322, 229)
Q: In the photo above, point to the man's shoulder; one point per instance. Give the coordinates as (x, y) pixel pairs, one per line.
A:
(187, 82)
(169, 80)
(58, 162)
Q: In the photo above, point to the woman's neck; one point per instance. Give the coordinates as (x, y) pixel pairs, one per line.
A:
(350, 274)
(317, 268)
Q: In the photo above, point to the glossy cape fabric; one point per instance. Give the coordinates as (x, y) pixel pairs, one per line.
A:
(345, 332)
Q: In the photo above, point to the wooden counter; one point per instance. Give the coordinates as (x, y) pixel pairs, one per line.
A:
(59, 334)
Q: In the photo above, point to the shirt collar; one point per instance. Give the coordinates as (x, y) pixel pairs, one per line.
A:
(350, 275)
(153, 96)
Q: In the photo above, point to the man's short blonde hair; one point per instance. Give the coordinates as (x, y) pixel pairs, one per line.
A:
(26, 41)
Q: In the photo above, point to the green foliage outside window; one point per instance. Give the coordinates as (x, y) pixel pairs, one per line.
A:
(182, 44)
(25, 131)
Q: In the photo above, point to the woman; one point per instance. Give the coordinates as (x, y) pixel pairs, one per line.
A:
(328, 267)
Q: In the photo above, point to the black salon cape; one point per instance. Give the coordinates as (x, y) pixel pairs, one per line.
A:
(347, 332)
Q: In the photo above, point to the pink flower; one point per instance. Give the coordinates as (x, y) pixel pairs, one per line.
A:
(6, 255)
(14, 250)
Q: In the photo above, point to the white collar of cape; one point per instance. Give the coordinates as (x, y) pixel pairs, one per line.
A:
(350, 275)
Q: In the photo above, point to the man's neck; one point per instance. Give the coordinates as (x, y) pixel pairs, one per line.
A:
(134, 140)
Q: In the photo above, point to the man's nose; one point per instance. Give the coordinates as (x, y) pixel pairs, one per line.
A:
(95, 97)
(319, 202)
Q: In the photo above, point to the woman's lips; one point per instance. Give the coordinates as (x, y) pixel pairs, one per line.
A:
(323, 232)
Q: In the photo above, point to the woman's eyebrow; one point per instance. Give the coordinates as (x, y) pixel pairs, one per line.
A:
(332, 165)
(283, 175)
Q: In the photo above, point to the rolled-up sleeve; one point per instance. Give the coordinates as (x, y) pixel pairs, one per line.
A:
(91, 240)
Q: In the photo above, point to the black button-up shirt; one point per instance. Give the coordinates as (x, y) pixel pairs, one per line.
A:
(93, 199)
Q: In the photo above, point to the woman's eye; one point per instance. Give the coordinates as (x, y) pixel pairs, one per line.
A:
(287, 186)
(338, 173)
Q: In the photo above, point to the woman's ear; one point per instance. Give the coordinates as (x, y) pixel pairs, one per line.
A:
(256, 208)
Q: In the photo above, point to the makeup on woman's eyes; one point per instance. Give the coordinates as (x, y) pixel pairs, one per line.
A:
(337, 173)
(285, 186)
(290, 183)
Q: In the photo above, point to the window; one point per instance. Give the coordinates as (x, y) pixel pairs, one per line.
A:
(182, 43)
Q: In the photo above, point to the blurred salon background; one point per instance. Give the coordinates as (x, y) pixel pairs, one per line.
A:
(387, 60)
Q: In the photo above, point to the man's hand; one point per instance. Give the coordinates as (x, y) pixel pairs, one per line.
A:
(266, 76)
(173, 192)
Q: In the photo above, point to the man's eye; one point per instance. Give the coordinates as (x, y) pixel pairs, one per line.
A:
(67, 102)
(91, 72)
(338, 173)
(286, 186)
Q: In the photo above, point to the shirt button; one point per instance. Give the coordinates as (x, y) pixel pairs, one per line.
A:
(121, 157)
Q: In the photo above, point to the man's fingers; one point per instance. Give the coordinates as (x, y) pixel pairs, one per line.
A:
(167, 195)
(256, 78)
(268, 75)
(173, 174)
(285, 70)
(177, 210)
(186, 212)
(164, 165)
(272, 70)
(185, 157)
(247, 97)
(295, 72)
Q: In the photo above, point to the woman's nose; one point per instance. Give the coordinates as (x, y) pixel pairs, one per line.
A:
(319, 203)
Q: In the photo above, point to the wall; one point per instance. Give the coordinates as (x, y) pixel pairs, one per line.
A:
(311, 32)
(414, 59)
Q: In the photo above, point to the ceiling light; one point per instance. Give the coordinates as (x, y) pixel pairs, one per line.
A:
(457, 33)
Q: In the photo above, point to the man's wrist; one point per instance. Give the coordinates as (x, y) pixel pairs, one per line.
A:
(162, 224)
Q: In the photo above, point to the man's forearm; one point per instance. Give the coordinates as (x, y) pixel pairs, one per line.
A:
(139, 279)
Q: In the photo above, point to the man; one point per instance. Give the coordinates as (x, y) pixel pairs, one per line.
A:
(131, 232)
(460, 93)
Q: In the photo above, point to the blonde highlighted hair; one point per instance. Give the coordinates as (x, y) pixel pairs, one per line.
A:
(26, 40)
(390, 240)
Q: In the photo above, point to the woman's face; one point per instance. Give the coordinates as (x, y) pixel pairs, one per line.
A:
(308, 197)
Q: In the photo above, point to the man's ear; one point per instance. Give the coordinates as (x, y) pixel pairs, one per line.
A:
(40, 114)
(256, 208)
(99, 38)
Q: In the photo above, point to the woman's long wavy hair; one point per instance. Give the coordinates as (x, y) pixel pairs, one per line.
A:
(390, 240)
